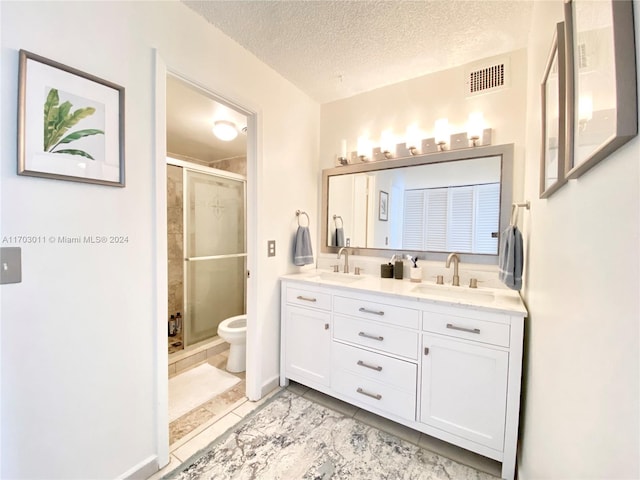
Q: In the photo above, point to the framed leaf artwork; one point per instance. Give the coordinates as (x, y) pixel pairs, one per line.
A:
(70, 124)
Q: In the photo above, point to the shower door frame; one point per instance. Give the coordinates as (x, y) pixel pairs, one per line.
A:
(214, 172)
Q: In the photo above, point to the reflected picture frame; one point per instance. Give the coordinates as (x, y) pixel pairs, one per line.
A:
(383, 206)
(553, 99)
(602, 104)
(70, 123)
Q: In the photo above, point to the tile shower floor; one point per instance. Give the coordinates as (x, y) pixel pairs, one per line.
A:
(198, 428)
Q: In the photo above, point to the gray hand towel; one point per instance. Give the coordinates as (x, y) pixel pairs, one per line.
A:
(511, 258)
(302, 253)
(340, 237)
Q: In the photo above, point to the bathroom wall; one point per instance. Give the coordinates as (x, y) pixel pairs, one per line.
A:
(581, 416)
(80, 377)
(175, 245)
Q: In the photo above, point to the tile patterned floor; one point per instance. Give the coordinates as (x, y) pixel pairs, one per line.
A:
(197, 429)
(213, 409)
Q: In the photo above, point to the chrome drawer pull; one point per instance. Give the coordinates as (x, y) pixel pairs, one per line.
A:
(362, 364)
(372, 337)
(377, 396)
(306, 299)
(364, 310)
(463, 329)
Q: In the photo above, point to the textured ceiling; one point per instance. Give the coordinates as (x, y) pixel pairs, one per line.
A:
(336, 49)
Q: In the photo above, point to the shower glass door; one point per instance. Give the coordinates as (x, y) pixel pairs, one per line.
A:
(215, 252)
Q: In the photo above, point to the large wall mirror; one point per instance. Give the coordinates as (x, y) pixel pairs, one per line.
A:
(453, 201)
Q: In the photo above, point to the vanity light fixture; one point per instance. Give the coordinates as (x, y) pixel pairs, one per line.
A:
(475, 127)
(225, 130)
(441, 133)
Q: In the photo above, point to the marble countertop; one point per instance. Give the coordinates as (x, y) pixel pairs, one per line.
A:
(481, 298)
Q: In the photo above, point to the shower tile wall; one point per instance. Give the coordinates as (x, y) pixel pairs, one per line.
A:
(236, 165)
(174, 242)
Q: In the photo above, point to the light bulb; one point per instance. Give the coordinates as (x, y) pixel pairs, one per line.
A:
(364, 147)
(388, 143)
(413, 139)
(585, 108)
(441, 133)
(475, 126)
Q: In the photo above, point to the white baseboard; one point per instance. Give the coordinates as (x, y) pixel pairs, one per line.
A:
(270, 385)
(142, 470)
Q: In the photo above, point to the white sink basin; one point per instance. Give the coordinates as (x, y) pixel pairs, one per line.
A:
(344, 278)
(459, 293)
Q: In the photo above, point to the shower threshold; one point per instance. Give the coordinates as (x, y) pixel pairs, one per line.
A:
(196, 354)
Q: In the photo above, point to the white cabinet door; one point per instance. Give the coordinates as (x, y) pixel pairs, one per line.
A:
(307, 349)
(464, 389)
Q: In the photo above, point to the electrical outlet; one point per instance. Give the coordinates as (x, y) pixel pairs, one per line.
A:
(271, 248)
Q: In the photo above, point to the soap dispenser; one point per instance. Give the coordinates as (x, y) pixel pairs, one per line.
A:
(398, 267)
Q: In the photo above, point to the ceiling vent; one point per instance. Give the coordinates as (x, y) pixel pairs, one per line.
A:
(487, 77)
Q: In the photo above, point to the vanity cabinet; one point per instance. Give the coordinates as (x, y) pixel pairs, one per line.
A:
(307, 336)
(449, 371)
(464, 389)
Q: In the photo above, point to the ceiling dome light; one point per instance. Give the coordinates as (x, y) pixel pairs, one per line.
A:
(225, 130)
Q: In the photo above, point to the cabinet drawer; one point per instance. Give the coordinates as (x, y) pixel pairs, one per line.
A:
(376, 335)
(467, 328)
(308, 298)
(380, 312)
(379, 395)
(375, 366)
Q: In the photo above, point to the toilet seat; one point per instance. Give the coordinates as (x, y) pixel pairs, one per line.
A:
(234, 323)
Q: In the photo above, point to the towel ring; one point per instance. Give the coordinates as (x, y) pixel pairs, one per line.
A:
(300, 212)
(335, 219)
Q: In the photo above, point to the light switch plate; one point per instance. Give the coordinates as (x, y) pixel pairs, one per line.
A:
(271, 248)
(10, 265)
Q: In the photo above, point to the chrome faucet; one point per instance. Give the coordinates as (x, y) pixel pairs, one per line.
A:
(456, 260)
(346, 258)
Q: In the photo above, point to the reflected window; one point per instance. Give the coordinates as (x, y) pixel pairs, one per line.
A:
(453, 219)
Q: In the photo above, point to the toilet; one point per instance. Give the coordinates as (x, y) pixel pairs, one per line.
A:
(233, 330)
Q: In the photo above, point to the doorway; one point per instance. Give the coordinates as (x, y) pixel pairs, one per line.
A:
(206, 244)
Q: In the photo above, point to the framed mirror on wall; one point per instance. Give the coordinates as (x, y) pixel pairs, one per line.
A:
(434, 203)
(602, 100)
(553, 95)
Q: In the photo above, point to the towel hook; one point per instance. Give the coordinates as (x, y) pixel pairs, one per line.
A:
(300, 212)
(335, 219)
